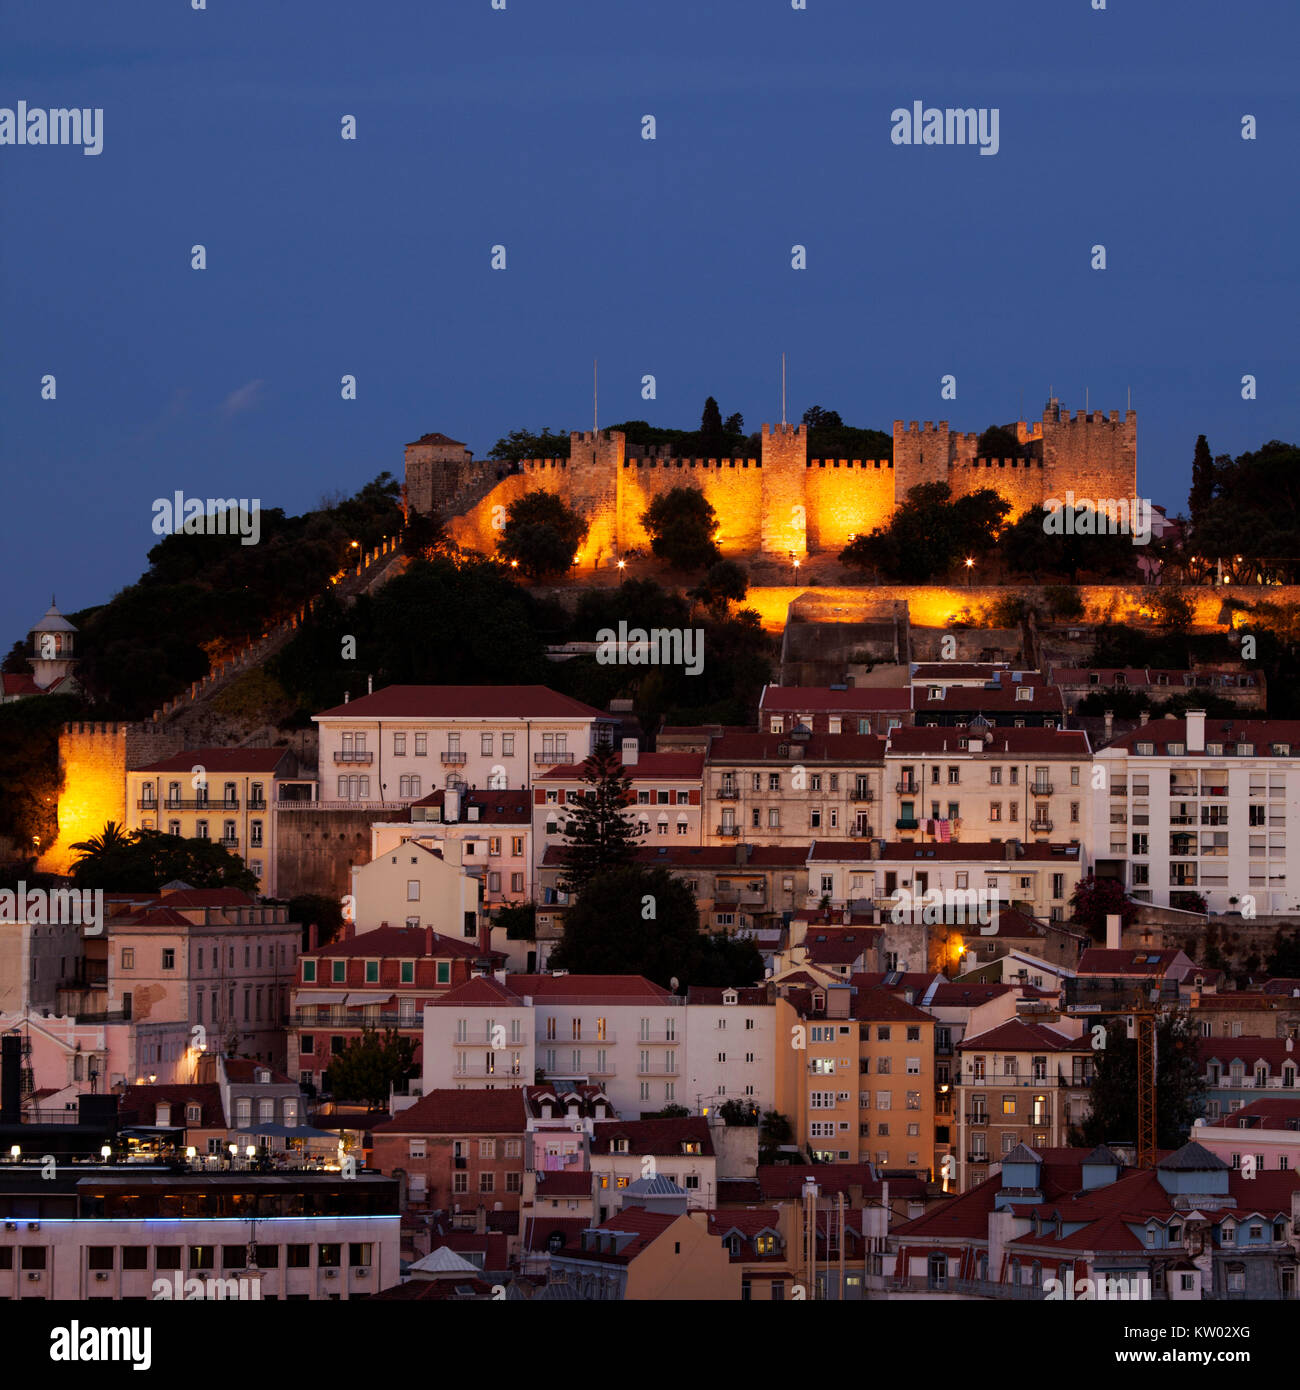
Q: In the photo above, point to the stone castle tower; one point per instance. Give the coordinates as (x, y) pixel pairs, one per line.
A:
(782, 504)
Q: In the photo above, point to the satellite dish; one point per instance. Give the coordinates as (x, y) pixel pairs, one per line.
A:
(1198, 1122)
(673, 984)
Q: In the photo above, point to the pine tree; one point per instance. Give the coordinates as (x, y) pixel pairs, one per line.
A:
(711, 420)
(599, 837)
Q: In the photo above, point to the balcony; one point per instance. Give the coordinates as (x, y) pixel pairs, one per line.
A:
(551, 759)
(908, 788)
(727, 794)
(727, 830)
(454, 759)
(659, 1069)
(980, 1117)
(256, 803)
(1041, 789)
(477, 1071)
(978, 1156)
(863, 832)
(354, 755)
(861, 794)
(1040, 826)
(229, 841)
(907, 823)
(201, 804)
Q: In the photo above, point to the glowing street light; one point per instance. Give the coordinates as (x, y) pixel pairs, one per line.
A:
(16, 1153)
(970, 565)
(105, 1152)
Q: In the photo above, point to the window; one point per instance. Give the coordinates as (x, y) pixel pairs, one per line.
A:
(339, 972)
(168, 958)
(128, 958)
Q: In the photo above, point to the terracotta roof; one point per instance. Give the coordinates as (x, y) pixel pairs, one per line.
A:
(1248, 1050)
(137, 1105)
(1141, 962)
(539, 1228)
(1019, 1035)
(1236, 1001)
(959, 670)
(712, 995)
(19, 683)
(1269, 1113)
(781, 1181)
(435, 437)
(649, 767)
(840, 945)
(817, 748)
(206, 897)
(563, 1183)
(1263, 733)
(663, 1138)
(610, 987)
(245, 1069)
(880, 1006)
(495, 807)
(215, 760)
(460, 1112)
(404, 942)
(1006, 696)
(481, 990)
(997, 742)
(820, 699)
(468, 702)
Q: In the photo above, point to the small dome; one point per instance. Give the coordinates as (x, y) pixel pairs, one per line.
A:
(54, 621)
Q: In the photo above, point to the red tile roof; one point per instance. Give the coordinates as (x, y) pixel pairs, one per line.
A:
(1043, 699)
(403, 942)
(840, 945)
(1143, 962)
(206, 897)
(470, 702)
(554, 1183)
(221, 760)
(495, 807)
(1248, 1050)
(997, 742)
(20, 683)
(881, 1006)
(1019, 1035)
(245, 1069)
(819, 699)
(137, 1105)
(663, 1138)
(595, 987)
(1269, 1113)
(817, 748)
(965, 851)
(435, 437)
(649, 767)
(712, 995)
(460, 1112)
(1263, 733)
(482, 990)
(539, 1228)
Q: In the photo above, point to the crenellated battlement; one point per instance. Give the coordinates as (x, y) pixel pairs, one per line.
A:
(784, 502)
(661, 461)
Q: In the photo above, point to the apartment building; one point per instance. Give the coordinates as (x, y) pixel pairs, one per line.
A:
(787, 788)
(664, 799)
(1012, 699)
(1197, 809)
(210, 957)
(1021, 1082)
(857, 1080)
(1262, 1137)
(1038, 877)
(620, 1032)
(376, 979)
(495, 830)
(730, 1045)
(458, 1150)
(868, 709)
(422, 883)
(222, 794)
(405, 741)
(1247, 689)
(1239, 1071)
(478, 1036)
(995, 784)
(627, 1151)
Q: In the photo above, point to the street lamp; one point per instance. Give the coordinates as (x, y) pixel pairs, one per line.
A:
(622, 565)
(15, 1153)
(105, 1152)
(970, 565)
(796, 571)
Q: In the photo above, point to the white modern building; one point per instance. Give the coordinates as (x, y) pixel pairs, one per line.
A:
(730, 1048)
(1202, 806)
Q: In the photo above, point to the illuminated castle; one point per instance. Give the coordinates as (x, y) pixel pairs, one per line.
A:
(782, 503)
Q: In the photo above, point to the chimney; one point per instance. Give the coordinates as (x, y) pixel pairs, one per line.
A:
(485, 937)
(1113, 931)
(1196, 731)
(451, 805)
(1143, 717)
(346, 696)
(630, 752)
(428, 941)
(1110, 725)
(480, 1221)
(1013, 849)
(370, 685)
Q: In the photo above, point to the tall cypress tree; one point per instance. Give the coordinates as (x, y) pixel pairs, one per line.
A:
(1202, 493)
(600, 837)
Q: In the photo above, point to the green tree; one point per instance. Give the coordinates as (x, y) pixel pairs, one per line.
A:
(370, 1067)
(1064, 602)
(519, 920)
(1066, 541)
(738, 1112)
(525, 444)
(1202, 493)
(1095, 899)
(1114, 1092)
(599, 836)
(711, 428)
(143, 860)
(16, 663)
(775, 1130)
(681, 525)
(1284, 959)
(726, 582)
(29, 767)
(830, 438)
(999, 442)
(542, 534)
(425, 536)
(930, 535)
(637, 921)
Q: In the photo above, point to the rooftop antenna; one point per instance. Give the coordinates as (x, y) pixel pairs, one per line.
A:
(595, 395)
(1085, 400)
(783, 390)
(1130, 399)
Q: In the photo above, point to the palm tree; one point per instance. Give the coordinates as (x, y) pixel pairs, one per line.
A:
(112, 837)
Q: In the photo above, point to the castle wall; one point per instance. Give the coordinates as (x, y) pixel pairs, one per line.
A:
(1092, 455)
(921, 455)
(595, 472)
(1018, 481)
(733, 487)
(480, 527)
(846, 498)
(315, 849)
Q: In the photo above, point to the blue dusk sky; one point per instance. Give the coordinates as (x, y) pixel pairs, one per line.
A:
(671, 257)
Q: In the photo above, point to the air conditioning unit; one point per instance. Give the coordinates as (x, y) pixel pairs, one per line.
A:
(34, 1275)
(11, 1225)
(362, 1273)
(33, 1225)
(101, 1276)
(331, 1274)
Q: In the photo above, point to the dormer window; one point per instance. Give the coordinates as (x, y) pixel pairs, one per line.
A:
(691, 1146)
(936, 692)
(263, 1077)
(729, 996)
(620, 1146)
(1024, 692)
(1282, 750)
(192, 1114)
